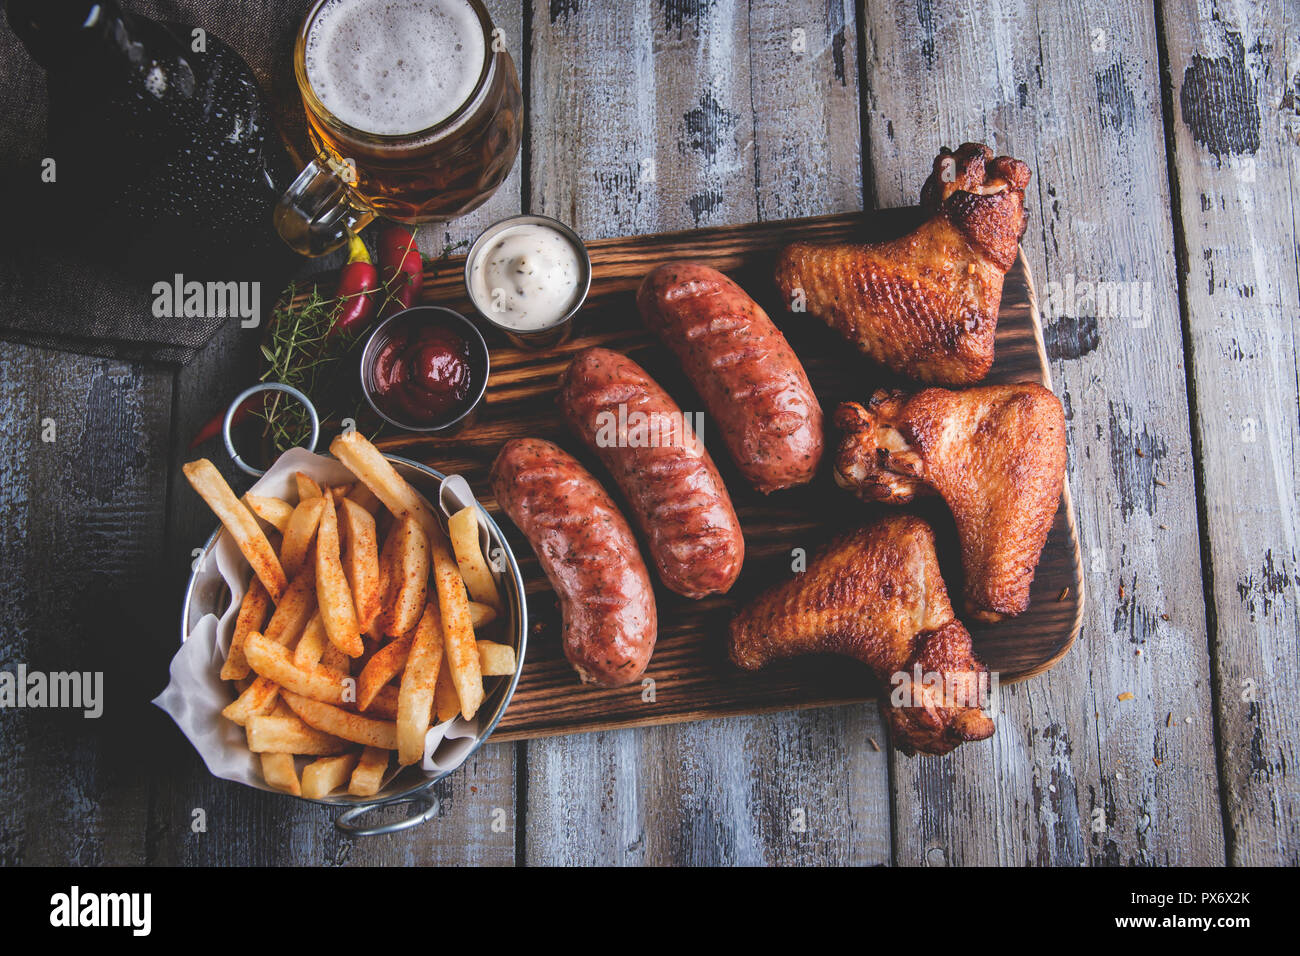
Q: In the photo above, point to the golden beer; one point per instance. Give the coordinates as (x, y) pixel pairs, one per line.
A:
(415, 108)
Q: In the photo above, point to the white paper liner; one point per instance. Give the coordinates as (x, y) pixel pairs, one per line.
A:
(196, 694)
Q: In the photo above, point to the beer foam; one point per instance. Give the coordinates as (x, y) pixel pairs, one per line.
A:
(394, 66)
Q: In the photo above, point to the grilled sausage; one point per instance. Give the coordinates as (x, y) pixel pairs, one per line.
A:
(748, 376)
(589, 554)
(676, 494)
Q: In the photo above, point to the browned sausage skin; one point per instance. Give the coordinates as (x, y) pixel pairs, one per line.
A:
(589, 554)
(748, 376)
(676, 494)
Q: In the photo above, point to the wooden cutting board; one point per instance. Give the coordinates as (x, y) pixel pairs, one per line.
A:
(692, 678)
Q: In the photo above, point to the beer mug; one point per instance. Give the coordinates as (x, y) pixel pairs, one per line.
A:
(414, 108)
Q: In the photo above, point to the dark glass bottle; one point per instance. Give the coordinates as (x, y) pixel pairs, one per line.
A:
(165, 152)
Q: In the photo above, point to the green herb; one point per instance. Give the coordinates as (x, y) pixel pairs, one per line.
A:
(300, 352)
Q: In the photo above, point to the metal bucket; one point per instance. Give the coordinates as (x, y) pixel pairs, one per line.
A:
(207, 593)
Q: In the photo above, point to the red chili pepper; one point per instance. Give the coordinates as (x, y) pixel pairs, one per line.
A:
(357, 281)
(212, 428)
(402, 269)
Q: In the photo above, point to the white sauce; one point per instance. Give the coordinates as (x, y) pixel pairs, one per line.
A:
(526, 278)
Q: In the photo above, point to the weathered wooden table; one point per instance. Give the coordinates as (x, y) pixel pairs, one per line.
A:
(1165, 144)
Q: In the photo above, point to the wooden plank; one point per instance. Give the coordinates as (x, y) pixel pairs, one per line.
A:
(247, 826)
(1074, 775)
(1235, 135)
(521, 402)
(81, 523)
(649, 116)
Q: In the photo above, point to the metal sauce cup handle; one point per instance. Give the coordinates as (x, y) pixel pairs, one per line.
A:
(247, 393)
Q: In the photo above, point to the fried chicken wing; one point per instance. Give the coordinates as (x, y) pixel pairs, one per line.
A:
(925, 304)
(876, 595)
(996, 454)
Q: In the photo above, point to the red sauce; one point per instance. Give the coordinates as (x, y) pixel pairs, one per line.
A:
(422, 375)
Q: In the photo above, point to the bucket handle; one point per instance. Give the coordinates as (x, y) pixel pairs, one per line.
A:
(425, 807)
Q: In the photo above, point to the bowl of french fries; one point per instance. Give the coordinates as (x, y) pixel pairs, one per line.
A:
(352, 632)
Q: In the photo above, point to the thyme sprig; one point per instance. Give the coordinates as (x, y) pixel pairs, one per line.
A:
(300, 352)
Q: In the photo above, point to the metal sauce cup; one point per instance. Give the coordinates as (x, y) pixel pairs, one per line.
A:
(480, 363)
(560, 330)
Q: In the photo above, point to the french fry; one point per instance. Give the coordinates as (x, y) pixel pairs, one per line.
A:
(322, 777)
(308, 487)
(415, 694)
(257, 700)
(360, 560)
(279, 735)
(274, 511)
(300, 534)
(253, 610)
(335, 600)
(279, 771)
(480, 615)
(295, 609)
(375, 630)
(335, 659)
(407, 557)
(496, 660)
(368, 463)
(339, 723)
(369, 775)
(445, 701)
(384, 704)
(240, 523)
(383, 666)
(366, 499)
(457, 631)
(340, 491)
(274, 662)
(312, 644)
(462, 528)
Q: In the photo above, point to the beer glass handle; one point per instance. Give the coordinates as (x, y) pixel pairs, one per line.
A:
(320, 208)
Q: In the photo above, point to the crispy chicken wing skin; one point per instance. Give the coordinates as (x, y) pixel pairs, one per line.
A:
(876, 595)
(996, 454)
(925, 304)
